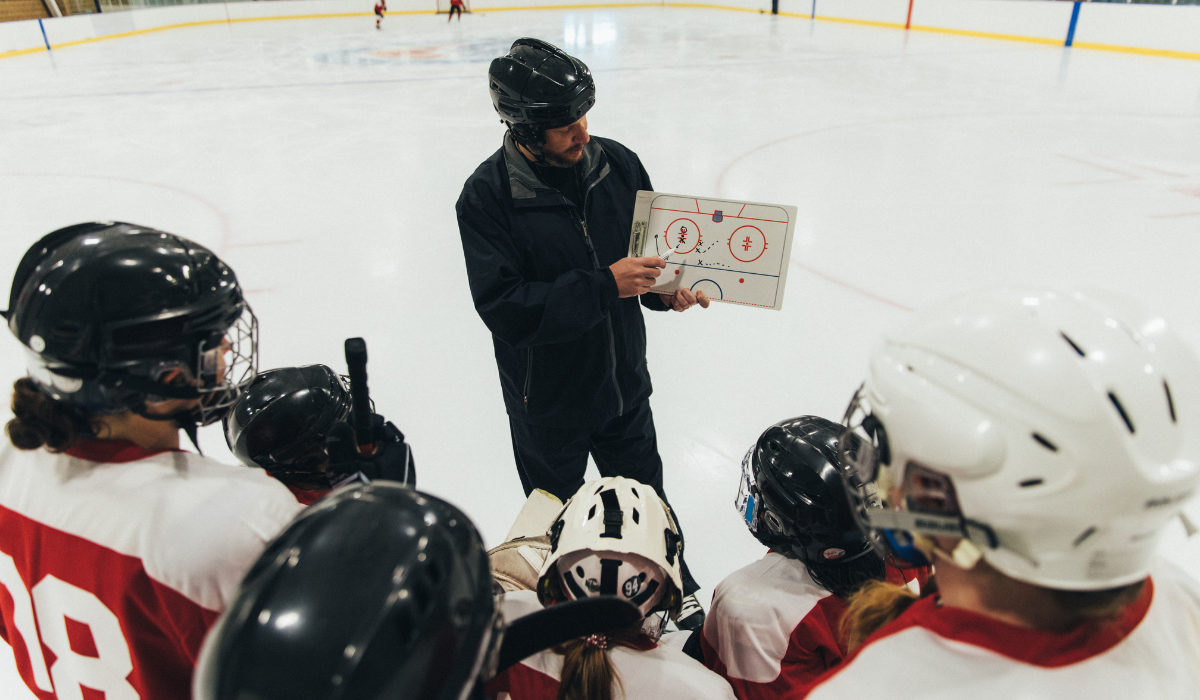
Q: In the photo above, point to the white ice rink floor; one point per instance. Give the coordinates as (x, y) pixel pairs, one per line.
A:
(322, 159)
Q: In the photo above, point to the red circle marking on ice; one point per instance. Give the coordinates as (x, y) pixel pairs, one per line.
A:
(743, 279)
(747, 243)
(677, 272)
(681, 236)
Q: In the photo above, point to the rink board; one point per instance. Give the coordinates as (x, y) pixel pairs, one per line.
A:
(733, 251)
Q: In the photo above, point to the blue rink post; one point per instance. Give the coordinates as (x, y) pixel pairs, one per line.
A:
(1074, 21)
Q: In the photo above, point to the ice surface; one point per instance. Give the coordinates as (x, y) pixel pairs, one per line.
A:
(321, 158)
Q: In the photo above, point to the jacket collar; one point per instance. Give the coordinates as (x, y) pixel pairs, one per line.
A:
(528, 190)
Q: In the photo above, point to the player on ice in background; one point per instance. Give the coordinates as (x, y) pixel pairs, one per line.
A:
(1033, 445)
(774, 626)
(380, 8)
(284, 420)
(614, 538)
(545, 224)
(117, 549)
(383, 592)
(455, 6)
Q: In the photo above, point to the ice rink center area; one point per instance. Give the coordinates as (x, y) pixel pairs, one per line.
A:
(321, 158)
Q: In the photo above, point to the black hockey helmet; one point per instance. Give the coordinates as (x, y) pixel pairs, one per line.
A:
(281, 420)
(792, 497)
(376, 591)
(537, 86)
(109, 310)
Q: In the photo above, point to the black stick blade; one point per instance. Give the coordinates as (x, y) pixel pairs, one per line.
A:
(563, 622)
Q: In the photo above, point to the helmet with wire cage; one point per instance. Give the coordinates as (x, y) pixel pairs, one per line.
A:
(538, 86)
(114, 314)
(792, 498)
(615, 537)
(1055, 432)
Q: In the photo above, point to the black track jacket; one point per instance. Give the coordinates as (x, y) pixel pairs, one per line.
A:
(570, 353)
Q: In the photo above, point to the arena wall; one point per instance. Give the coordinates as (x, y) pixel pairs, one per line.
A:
(1157, 30)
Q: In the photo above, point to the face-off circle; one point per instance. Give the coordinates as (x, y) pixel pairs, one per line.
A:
(748, 243)
(683, 235)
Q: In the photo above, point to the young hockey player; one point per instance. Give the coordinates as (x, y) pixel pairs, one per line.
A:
(284, 420)
(773, 627)
(380, 8)
(118, 550)
(455, 6)
(1033, 445)
(378, 591)
(614, 538)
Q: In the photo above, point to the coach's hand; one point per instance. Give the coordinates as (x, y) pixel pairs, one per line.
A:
(683, 300)
(636, 275)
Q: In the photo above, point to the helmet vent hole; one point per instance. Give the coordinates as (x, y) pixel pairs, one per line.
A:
(1170, 401)
(636, 518)
(592, 513)
(774, 446)
(1086, 534)
(1121, 410)
(1038, 481)
(635, 493)
(1074, 347)
(1041, 440)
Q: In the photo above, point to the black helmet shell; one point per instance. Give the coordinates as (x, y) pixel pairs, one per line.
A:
(805, 513)
(538, 86)
(375, 591)
(281, 420)
(101, 302)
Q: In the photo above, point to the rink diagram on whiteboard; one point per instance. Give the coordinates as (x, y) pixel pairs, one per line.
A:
(733, 251)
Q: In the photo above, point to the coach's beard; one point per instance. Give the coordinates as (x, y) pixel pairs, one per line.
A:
(562, 159)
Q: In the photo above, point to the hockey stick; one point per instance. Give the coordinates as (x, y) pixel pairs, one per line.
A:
(360, 395)
(563, 622)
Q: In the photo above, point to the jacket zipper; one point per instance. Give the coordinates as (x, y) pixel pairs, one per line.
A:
(528, 375)
(612, 342)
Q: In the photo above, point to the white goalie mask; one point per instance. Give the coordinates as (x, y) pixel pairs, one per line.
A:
(1056, 431)
(615, 537)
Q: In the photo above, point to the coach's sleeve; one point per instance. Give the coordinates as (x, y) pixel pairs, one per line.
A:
(520, 312)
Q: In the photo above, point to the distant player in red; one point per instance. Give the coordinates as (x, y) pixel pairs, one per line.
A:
(455, 6)
(774, 627)
(380, 8)
(117, 549)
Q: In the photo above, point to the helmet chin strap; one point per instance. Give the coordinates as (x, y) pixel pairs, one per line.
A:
(185, 419)
(531, 146)
(965, 555)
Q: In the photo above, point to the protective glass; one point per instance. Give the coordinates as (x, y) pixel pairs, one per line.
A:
(748, 501)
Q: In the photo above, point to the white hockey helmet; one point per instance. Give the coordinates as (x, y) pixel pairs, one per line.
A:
(615, 537)
(1057, 431)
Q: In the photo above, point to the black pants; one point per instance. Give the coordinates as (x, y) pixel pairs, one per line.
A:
(555, 459)
(453, 9)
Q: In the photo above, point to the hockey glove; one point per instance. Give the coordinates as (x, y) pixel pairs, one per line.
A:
(392, 459)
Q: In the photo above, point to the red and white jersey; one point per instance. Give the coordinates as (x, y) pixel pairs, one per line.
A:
(114, 562)
(1152, 652)
(772, 631)
(650, 671)
(380, 7)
